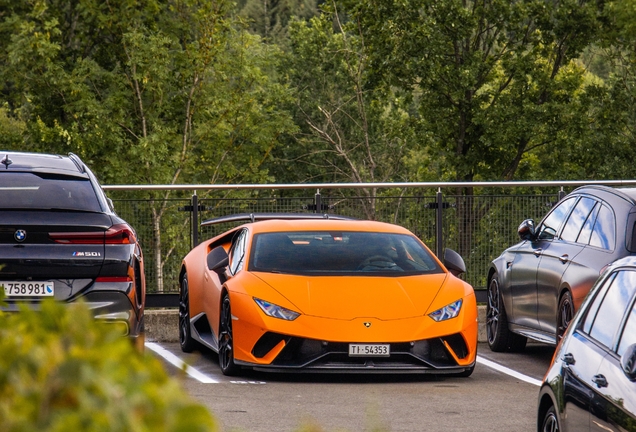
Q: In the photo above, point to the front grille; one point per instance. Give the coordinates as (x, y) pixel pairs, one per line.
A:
(301, 352)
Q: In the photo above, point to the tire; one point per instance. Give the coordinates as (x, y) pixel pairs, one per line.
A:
(564, 314)
(500, 338)
(226, 339)
(185, 336)
(550, 421)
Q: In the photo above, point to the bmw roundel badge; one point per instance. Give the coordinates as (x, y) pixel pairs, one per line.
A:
(20, 235)
(367, 324)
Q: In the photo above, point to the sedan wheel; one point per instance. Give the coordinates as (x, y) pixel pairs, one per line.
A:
(500, 338)
(550, 421)
(566, 312)
(226, 339)
(185, 336)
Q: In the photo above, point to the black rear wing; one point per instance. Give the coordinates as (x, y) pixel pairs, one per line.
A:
(254, 217)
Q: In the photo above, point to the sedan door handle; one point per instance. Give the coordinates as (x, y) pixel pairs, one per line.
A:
(600, 381)
(564, 258)
(537, 252)
(568, 359)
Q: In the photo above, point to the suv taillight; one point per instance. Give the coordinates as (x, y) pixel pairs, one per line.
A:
(117, 234)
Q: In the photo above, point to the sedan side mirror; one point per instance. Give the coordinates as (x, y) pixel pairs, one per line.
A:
(628, 362)
(454, 262)
(526, 230)
(218, 259)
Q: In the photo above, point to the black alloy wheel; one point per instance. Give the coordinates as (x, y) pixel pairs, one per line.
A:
(499, 336)
(565, 314)
(185, 336)
(550, 421)
(226, 340)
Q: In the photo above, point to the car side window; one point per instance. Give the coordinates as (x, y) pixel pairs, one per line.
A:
(586, 232)
(613, 307)
(577, 219)
(629, 332)
(237, 253)
(551, 224)
(604, 232)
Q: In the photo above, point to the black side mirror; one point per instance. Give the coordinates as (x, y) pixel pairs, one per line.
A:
(628, 362)
(218, 260)
(526, 230)
(454, 262)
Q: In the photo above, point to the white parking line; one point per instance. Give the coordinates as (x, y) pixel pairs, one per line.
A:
(176, 361)
(508, 371)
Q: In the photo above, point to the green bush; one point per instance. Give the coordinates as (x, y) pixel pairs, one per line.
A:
(61, 370)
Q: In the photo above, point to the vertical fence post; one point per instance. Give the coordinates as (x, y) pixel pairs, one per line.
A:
(438, 228)
(317, 202)
(561, 194)
(195, 219)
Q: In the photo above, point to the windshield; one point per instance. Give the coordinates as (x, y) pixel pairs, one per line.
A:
(20, 190)
(322, 253)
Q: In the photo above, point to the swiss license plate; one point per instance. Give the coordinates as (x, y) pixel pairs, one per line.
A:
(369, 350)
(28, 289)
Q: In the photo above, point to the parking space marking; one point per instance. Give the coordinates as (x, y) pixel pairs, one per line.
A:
(176, 361)
(508, 371)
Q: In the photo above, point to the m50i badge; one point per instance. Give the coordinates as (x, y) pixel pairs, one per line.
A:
(20, 235)
(86, 254)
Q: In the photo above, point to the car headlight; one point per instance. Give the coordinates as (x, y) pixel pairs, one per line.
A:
(276, 311)
(447, 312)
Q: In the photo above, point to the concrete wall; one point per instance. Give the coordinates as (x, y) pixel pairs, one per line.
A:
(162, 325)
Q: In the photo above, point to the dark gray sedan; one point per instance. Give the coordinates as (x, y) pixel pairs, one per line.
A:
(535, 286)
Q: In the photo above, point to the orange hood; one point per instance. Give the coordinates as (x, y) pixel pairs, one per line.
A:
(351, 297)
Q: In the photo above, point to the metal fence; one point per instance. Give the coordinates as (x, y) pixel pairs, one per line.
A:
(479, 220)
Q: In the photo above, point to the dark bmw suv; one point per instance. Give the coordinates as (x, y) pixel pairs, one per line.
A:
(60, 238)
(535, 286)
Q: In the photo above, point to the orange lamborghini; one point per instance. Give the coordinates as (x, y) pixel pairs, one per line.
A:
(323, 293)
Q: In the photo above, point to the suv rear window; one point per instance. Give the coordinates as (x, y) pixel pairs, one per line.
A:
(20, 190)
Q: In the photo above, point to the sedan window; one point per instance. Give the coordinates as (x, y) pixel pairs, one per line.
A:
(577, 218)
(629, 332)
(586, 232)
(551, 224)
(604, 233)
(611, 311)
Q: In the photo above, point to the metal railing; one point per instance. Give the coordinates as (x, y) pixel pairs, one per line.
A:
(477, 219)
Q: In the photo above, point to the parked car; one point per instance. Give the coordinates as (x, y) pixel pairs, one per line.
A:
(60, 238)
(298, 293)
(536, 286)
(591, 383)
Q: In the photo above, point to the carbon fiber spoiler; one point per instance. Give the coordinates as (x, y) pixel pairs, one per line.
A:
(254, 217)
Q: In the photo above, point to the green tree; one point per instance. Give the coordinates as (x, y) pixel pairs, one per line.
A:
(497, 83)
(348, 131)
(153, 92)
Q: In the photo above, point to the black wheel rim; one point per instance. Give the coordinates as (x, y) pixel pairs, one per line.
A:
(566, 311)
(184, 312)
(492, 311)
(550, 423)
(226, 354)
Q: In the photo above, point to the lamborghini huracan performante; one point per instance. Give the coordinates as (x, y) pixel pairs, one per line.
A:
(323, 293)
(61, 239)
